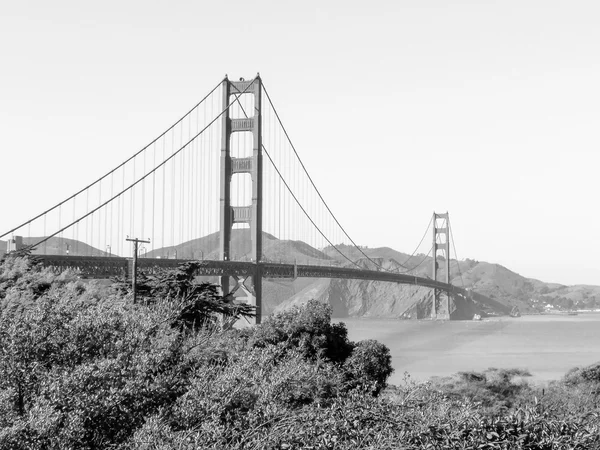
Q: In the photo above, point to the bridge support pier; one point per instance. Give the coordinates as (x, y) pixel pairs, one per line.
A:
(250, 214)
(440, 305)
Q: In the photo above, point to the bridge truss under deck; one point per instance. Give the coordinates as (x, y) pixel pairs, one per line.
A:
(106, 267)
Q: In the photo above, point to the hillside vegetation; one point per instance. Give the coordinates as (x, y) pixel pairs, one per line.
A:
(352, 298)
(81, 367)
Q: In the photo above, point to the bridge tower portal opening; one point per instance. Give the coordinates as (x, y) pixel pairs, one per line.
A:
(251, 214)
(440, 307)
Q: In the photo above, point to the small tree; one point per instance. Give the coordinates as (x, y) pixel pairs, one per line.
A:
(369, 366)
(201, 303)
(307, 328)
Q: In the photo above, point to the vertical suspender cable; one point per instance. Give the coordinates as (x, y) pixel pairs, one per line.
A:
(172, 230)
(87, 208)
(91, 241)
(74, 216)
(204, 184)
(163, 206)
(152, 238)
(204, 209)
(60, 244)
(100, 219)
(123, 226)
(143, 222)
(190, 186)
(112, 190)
(118, 167)
(451, 235)
(209, 220)
(132, 206)
(181, 190)
(280, 195)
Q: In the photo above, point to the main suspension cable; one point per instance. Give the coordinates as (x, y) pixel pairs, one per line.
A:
(237, 99)
(143, 177)
(422, 261)
(323, 200)
(303, 210)
(115, 169)
(420, 242)
(312, 182)
(455, 254)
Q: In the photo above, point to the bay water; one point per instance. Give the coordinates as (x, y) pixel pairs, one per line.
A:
(547, 345)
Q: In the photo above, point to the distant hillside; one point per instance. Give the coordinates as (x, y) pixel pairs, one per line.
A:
(492, 280)
(362, 298)
(368, 298)
(59, 246)
(274, 291)
(419, 264)
(274, 249)
(356, 298)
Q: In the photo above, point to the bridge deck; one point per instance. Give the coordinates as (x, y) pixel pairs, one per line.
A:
(102, 267)
(106, 267)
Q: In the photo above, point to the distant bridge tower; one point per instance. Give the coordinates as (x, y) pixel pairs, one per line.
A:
(15, 243)
(250, 214)
(441, 230)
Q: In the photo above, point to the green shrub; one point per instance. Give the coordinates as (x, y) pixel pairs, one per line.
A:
(369, 366)
(590, 374)
(200, 303)
(494, 389)
(83, 368)
(307, 329)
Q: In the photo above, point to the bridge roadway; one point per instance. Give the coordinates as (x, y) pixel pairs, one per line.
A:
(109, 266)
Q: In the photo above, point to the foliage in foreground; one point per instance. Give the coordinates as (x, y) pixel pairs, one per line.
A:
(83, 368)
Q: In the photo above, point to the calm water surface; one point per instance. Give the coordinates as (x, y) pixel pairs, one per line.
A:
(547, 345)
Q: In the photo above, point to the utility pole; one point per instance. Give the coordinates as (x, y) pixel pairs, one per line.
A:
(136, 242)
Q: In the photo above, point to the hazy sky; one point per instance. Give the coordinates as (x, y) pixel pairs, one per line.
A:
(487, 109)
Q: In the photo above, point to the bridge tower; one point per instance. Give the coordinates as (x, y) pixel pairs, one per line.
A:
(250, 214)
(441, 229)
(15, 243)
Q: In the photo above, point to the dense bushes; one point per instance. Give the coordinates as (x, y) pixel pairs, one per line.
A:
(496, 390)
(307, 329)
(369, 365)
(81, 367)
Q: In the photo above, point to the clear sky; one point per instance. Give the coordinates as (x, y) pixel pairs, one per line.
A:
(487, 109)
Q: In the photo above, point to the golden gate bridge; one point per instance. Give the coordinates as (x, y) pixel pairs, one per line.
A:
(224, 185)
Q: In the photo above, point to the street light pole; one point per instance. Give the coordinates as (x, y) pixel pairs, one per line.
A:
(136, 242)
